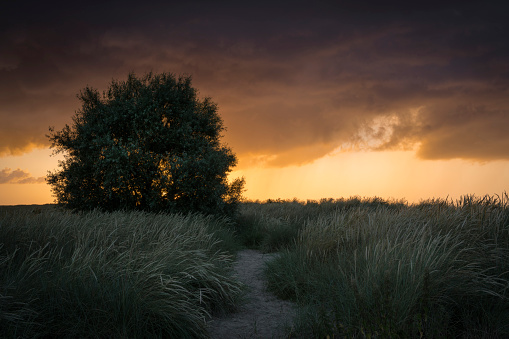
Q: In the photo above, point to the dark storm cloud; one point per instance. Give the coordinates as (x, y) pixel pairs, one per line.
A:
(18, 176)
(463, 131)
(293, 82)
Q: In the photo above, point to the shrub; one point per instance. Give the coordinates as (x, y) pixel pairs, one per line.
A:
(145, 144)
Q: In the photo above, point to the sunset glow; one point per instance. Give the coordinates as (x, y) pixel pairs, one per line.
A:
(320, 101)
(396, 174)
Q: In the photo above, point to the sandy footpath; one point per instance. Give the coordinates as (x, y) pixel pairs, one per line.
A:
(263, 315)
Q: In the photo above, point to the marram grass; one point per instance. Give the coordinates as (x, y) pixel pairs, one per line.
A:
(365, 268)
(274, 225)
(111, 275)
(436, 269)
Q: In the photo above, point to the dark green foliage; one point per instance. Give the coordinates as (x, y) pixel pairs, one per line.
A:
(145, 144)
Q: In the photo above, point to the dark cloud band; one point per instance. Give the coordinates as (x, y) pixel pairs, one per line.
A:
(292, 82)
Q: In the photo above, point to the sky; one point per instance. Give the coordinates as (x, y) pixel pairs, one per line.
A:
(321, 99)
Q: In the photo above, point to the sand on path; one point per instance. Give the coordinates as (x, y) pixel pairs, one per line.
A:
(263, 315)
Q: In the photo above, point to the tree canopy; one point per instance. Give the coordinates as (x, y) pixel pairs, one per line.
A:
(146, 143)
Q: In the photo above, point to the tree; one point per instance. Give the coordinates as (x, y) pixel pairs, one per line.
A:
(146, 143)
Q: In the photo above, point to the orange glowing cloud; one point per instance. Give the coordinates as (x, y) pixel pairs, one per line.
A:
(18, 176)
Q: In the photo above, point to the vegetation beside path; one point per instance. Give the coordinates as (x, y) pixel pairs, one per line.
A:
(112, 275)
(355, 267)
(374, 268)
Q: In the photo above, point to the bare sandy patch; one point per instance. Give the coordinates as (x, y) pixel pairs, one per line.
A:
(263, 315)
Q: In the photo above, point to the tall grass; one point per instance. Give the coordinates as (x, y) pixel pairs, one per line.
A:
(274, 224)
(357, 268)
(436, 269)
(112, 274)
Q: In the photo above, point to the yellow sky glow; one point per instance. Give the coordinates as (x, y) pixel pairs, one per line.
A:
(397, 174)
(385, 174)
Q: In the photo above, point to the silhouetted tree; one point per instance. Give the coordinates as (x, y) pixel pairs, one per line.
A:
(146, 143)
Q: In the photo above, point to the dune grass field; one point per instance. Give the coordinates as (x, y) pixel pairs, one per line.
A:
(112, 275)
(356, 268)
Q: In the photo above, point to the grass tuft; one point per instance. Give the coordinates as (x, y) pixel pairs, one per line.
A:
(121, 274)
(434, 269)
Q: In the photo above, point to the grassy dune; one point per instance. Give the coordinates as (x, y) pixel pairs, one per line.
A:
(112, 275)
(358, 267)
(373, 268)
